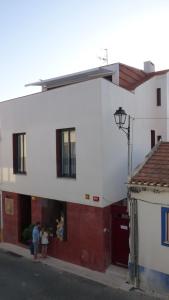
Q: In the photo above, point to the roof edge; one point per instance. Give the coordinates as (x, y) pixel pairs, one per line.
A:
(141, 165)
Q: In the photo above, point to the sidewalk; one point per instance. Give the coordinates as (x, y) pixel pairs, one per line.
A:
(114, 276)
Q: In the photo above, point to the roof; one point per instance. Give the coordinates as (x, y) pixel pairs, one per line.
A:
(129, 77)
(73, 78)
(155, 170)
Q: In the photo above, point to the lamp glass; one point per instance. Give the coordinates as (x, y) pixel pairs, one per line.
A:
(120, 116)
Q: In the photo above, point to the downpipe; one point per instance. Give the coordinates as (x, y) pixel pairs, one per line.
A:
(133, 243)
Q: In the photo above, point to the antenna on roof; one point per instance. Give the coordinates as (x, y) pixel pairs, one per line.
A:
(105, 57)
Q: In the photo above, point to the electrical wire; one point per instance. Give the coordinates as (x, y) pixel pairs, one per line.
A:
(150, 202)
(150, 118)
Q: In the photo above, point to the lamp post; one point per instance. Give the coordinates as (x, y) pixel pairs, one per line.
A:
(120, 117)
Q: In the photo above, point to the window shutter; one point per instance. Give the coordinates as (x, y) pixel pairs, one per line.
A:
(58, 153)
(15, 157)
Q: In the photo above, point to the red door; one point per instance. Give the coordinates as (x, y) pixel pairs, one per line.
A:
(120, 235)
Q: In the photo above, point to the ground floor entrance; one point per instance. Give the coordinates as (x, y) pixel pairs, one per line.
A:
(120, 235)
(25, 214)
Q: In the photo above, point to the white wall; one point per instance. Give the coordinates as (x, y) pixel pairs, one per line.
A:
(101, 147)
(148, 116)
(152, 254)
(39, 115)
(141, 105)
(114, 142)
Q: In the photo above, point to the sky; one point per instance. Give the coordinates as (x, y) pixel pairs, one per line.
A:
(41, 39)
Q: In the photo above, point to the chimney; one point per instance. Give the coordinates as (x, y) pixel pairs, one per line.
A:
(149, 67)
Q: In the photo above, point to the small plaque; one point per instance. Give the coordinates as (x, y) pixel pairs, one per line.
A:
(124, 227)
(96, 198)
(9, 206)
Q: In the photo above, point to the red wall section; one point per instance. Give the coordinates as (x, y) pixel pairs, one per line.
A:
(107, 217)
(88, 232)
(88, 244)
(36, 210)
(11, 222)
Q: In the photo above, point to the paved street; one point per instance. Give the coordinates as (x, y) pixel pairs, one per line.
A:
(22, 279)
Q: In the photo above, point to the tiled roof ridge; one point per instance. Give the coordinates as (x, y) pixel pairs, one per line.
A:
(130, 67)
(141, 70)
(147, 157)
(154, 171)
(130, 77)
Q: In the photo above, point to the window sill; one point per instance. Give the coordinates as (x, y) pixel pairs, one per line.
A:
(165, 243)
(66, 177)
(20, 173)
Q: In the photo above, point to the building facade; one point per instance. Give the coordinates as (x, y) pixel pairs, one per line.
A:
(150, 192)
(63, 156)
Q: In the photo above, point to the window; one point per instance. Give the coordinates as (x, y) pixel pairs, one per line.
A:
(159, 138)
(152, 138)
(19, 153)
(158, 97)
(66, 152)
(165, 226)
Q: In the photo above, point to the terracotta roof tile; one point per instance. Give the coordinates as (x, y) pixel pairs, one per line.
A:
(155, 171)
(130, 78)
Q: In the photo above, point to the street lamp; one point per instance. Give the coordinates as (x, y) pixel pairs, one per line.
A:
(120, 117)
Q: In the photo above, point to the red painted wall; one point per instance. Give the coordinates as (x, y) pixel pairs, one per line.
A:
(88, 233)
(36, 208)
(87, 244)
(11, 222)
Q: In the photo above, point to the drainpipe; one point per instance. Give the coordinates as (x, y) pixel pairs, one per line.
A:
(134, 270)
(1, 218)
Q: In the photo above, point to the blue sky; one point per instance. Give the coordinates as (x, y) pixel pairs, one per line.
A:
(44, 39)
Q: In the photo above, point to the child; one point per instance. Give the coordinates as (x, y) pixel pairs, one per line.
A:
(60, 228)
(44, 241)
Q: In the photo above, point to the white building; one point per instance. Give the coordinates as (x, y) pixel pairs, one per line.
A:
(62, 144)
(150, 196)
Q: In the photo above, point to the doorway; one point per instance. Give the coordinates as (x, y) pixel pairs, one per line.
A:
(24, 214)
(120, 235)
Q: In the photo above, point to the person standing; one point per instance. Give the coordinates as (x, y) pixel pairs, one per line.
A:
(36, 239)
(44, 241)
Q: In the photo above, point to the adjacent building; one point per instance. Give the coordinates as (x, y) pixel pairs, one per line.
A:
(149, 188)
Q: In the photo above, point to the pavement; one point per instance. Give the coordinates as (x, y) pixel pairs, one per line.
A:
(115, 277)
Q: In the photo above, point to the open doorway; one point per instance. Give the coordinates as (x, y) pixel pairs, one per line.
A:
(24, 214)
(52, 211)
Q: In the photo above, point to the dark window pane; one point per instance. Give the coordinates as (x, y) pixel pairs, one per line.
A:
(73, 152)
(152, 138)
(19, 153)
(159, 138)
(66, 152)
(158, 97)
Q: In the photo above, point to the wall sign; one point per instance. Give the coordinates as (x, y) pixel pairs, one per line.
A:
(87, 196)
(124, 227)
(96, 198)
(9, 206)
